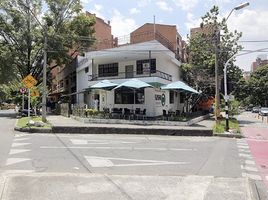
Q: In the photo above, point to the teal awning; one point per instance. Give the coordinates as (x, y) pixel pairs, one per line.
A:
(179, 85)
(134, 84)
(104, 85)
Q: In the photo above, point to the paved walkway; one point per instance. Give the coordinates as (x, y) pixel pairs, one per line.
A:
(62, 124)
(58, 120)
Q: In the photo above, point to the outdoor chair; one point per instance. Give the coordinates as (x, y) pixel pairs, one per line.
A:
(141, 114)
(128, 114)
(117, 113)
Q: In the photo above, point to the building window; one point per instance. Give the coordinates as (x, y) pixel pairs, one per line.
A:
(182, 97)
(106, 70)
(144, 65)
(126, 96)
(86, 70)
(171, 97)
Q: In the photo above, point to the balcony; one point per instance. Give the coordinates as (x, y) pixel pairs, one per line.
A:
(133, 74)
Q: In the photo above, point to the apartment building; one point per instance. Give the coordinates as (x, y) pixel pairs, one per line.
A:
(64, 76)
(167, 35)
(258, 63)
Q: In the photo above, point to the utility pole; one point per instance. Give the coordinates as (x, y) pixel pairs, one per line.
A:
(217, 92)
(44, 95)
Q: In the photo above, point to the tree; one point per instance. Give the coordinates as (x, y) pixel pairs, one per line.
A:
(201, 70)
(22, 36)
(258, 86)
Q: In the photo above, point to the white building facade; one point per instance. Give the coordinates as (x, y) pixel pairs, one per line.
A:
(150, 62)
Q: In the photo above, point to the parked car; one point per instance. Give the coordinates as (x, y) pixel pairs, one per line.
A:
(249, 108)
(256, 109)
(263, 111)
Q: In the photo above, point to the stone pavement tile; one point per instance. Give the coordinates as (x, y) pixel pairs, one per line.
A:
(226, 188)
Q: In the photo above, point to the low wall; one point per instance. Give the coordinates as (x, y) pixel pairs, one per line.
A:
(141, 122)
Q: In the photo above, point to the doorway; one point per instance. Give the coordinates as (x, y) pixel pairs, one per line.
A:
(129, 71)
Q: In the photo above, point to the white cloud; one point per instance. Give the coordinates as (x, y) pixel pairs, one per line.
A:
(254, 26)
(121, 25)
(133, 11)
(143, 3)
(97, 10)
(192, 21)
(85, 2)
(186, 5)
(163, 5)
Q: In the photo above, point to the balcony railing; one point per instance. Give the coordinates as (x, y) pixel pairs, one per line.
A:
(133, 74)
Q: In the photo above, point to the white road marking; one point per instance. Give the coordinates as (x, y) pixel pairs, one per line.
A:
(242, 147)
(19, 144)
(16, 151)
(11, 161)
(84, 142)
(244, 150)
(21, 139)
(19, 135)
(266, 177)
(107, 162)
(245, 155)
(252, 176)
(117, 148)
(250, 162)
(248, 168)
(18, 171)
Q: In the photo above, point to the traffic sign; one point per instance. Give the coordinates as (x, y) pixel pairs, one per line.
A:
(23, 90)
(35, 93)
(29, 81)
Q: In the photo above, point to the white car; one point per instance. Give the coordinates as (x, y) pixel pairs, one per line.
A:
(263, 111)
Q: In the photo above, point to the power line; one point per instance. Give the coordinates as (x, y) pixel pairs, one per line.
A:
(252, 41)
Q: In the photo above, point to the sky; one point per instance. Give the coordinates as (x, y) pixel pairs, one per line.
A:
(127, 15)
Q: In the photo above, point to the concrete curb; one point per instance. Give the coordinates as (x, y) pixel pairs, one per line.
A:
(33, 130)
(137, 131)
(230, 135)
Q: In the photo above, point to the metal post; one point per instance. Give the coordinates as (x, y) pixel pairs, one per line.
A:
(226, 97)
(22, 101)
(29, 101)
(150, 57)
(217, 93)
(44, 96)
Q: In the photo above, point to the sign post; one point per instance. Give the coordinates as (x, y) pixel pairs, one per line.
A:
(23, 90)
(29, 81)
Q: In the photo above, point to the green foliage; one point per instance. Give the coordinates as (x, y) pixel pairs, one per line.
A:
(233, 125)
(22, 36)
(201, 71)
(234, 108)
(258, 86)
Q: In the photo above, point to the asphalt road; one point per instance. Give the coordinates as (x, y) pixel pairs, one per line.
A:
(51, 166)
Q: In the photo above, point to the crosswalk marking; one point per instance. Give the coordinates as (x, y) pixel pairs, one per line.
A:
(19, 144)
(11, 161)
(17, 151)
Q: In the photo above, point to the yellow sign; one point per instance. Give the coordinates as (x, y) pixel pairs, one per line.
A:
(29, 81)
(35, 93)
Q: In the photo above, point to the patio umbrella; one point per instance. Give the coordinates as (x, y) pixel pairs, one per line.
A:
(104, 85)
(179, 85)
(134, 84)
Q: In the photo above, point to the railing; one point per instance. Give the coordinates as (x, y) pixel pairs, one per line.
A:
(134, 74)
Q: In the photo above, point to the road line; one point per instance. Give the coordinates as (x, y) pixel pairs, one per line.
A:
(248, 168)
(250, 162)
(16, 151)
(19, 144)
(21, 139)
(245, 155)
(242, 147)
(11, 161)
(119, 148)
(107, 162)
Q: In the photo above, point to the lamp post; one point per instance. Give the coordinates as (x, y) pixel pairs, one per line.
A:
(44, 96)
(217, 41)
(226, 97)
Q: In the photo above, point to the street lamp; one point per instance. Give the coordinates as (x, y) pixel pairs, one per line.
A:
(217, 93)
(44, 96)
(226, 97)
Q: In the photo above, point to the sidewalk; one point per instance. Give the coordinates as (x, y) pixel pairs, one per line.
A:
(103, 187)
(62, 124)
